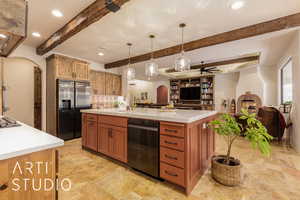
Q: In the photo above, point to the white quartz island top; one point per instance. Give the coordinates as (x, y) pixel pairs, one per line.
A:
(21, 140)
(180, 116)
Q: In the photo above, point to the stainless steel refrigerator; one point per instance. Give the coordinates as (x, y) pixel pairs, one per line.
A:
(72, 97)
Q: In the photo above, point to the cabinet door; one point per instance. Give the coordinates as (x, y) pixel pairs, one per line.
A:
(117, 82)
(108, 84)
(100, 83)
(81, 70)
(83, 130)
(119, 144)
(64, 68)
(103, 139)
(92, 135)
(93, 81)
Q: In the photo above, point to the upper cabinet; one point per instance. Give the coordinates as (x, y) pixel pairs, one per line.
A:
(105, 83)
(97, 80)
(113, 84)
(69, 68)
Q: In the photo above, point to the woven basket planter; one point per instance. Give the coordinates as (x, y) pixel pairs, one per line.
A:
(229, 175)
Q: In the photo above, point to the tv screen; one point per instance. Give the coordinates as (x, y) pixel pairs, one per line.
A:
(192, 93)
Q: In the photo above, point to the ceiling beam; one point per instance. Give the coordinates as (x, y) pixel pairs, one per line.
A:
(86, 17)
(278, 24)
(221, 63)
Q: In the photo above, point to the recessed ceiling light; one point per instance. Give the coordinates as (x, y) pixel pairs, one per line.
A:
(3, 36)
(100, 54)
(36, 34)
(237, 5)
(57, 13)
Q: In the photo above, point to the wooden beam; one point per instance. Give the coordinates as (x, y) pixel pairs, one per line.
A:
(278, 24)
(88, 16)
(223, 62)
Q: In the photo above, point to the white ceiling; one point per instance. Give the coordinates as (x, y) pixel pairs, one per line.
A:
(138, 18)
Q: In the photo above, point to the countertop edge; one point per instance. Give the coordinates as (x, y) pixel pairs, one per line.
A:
(29, 151)
(158, 118)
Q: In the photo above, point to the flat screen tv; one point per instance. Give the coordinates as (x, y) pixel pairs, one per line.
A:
(191, 93)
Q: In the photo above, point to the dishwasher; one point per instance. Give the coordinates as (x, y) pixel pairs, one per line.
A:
(143, 146)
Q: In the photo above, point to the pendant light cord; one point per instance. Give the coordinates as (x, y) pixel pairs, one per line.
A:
(129, 53)
(182, 32)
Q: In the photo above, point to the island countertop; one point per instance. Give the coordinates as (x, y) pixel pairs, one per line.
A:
(22, 140)
(180, 116)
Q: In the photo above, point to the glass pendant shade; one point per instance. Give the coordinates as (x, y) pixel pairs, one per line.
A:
(151, 69)
(182, 63)
(130, 73)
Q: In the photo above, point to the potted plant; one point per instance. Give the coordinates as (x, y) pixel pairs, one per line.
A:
(226, 169)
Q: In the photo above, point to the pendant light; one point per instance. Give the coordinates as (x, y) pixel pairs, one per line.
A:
(130, 71)
(182, 63)
(151, 69)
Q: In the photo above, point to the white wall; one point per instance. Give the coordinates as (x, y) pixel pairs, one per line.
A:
(250, 81)
(270, 81)
(225, 89)
(293, 51)
(18, 77)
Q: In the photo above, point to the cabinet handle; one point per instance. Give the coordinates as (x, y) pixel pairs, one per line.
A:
(110, 132)
(170, 173)
(171, 131)
(3, 187)
(173, 143)
(171, 157)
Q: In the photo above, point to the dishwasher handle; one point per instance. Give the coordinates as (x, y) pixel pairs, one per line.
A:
(143, 127)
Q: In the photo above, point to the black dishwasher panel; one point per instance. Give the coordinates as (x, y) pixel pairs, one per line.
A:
(143, 146)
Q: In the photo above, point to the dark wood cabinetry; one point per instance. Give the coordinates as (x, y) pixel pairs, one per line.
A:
(112, 141)
(90, 131)
(105, 134)
(185, 148)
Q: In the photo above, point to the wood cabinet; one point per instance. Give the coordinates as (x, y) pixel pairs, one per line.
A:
(43, 166)
(105, 134)
(103, 83)
(113, 84)
(112, 141)
(97, 80)
(69, 68)
(90, 131)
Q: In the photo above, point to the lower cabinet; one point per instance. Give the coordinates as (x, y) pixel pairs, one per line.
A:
(99, 134)
(90, 131)
(112, 141)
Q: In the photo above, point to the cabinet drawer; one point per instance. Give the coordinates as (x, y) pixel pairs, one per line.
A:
(91, 117)
(172, 157)
(112, 120)
(172, 129)
(172, 142)
(172, 174)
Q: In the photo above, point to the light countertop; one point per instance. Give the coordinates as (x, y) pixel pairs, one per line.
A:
(21, 140)
(180, 116)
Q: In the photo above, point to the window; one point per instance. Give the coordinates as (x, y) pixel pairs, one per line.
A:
(287, 82)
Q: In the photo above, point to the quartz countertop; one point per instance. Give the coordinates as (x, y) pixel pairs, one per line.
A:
(21, 140)
(180, 116)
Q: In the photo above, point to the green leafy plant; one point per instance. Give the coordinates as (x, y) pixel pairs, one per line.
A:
(254, 131)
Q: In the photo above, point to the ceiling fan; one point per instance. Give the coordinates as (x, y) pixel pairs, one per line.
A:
(209, 70)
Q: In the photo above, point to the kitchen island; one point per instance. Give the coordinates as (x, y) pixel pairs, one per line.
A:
(186, 142)
(27, 155)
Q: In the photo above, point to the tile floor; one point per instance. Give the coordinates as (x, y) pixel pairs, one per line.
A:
(96, 178)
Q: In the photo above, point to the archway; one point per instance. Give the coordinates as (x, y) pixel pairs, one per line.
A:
(162, 95)
(22, 79)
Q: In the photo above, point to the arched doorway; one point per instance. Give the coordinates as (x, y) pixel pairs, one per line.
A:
(162, 95)
(22, 80)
